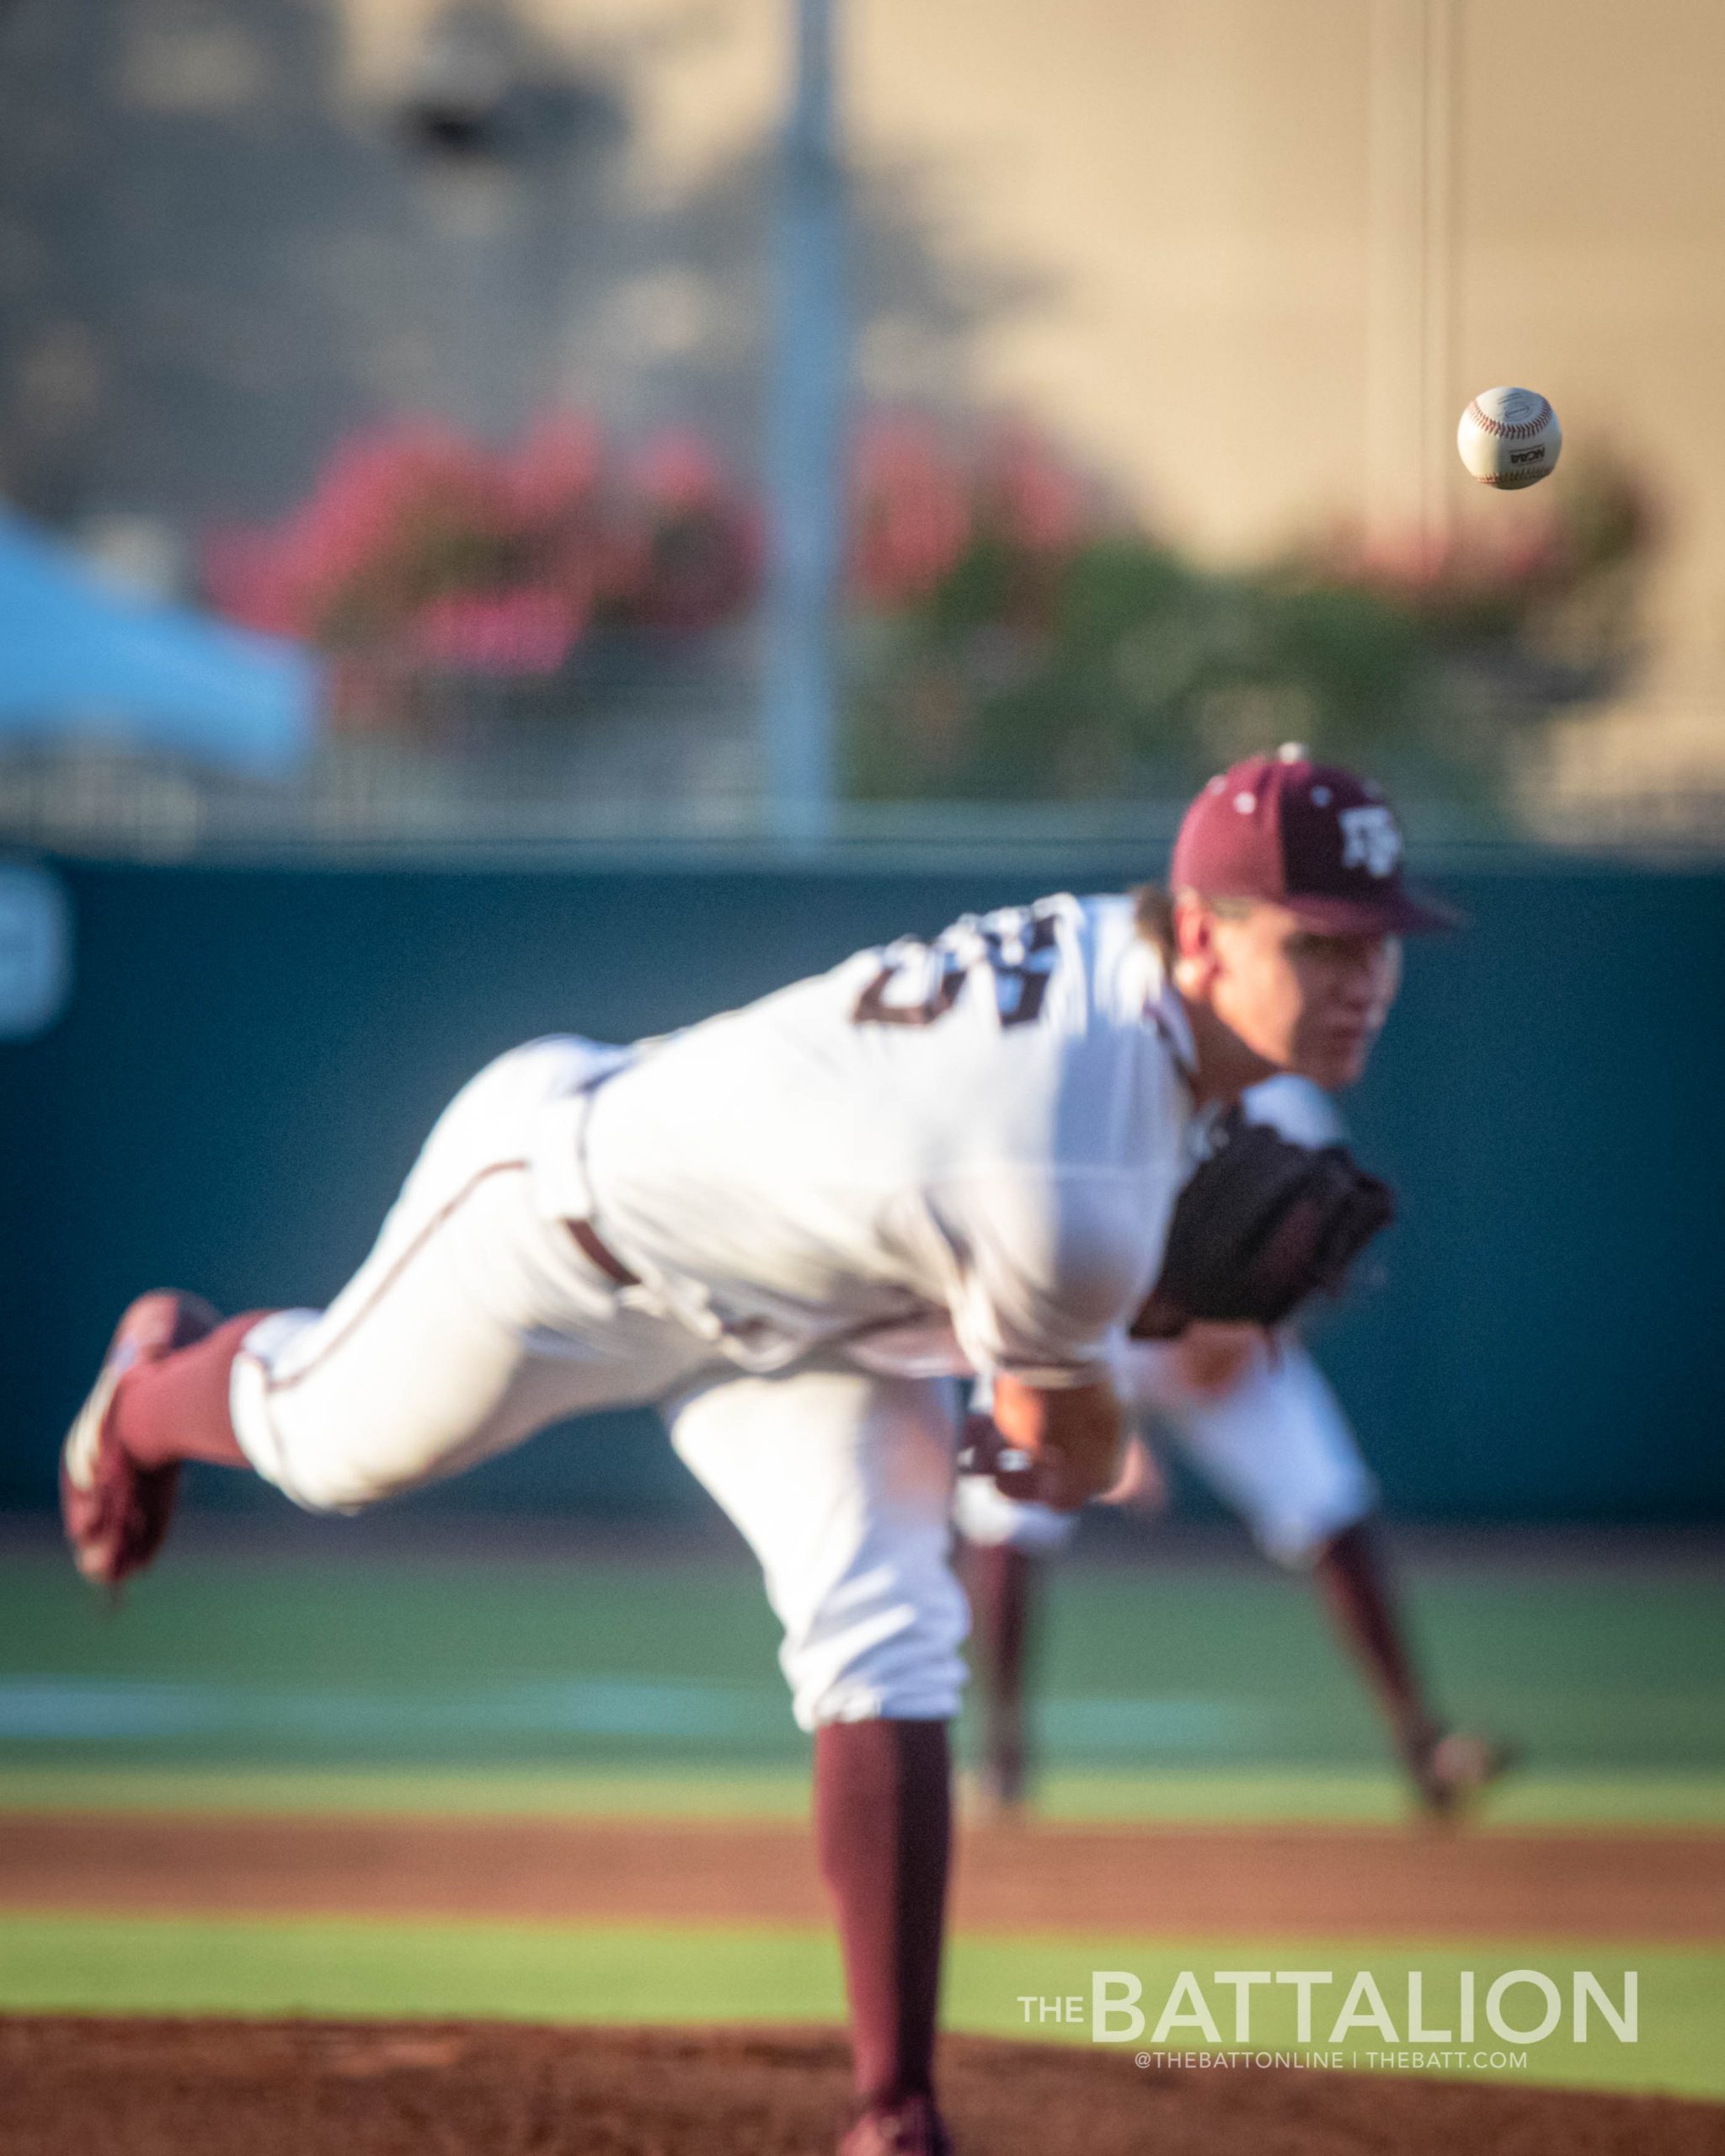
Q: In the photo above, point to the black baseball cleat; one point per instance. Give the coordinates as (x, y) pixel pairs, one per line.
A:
(114, 1512)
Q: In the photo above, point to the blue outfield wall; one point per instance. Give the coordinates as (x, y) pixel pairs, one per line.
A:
(251, 1057)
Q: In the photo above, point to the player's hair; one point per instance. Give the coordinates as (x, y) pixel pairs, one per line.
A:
(1153, 910)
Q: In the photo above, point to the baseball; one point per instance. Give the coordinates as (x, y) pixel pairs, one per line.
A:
(1509, 438)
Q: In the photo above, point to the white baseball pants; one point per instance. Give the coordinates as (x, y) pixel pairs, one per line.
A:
(477, 1321)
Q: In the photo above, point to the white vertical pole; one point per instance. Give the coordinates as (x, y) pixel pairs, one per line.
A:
(805, 448)
(1437, 383)
(1409, 329)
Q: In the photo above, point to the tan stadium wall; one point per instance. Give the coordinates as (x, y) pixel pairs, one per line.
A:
(1248, 256)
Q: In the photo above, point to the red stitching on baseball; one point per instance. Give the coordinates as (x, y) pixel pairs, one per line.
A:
(1523, 431)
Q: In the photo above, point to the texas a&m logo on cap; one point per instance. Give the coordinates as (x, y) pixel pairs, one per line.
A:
(1371, 838)
(1315, 838)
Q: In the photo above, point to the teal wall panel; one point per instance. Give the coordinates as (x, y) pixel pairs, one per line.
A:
(251, 1057)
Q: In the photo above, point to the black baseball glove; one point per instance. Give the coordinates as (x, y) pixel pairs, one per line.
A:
(1262, 1226)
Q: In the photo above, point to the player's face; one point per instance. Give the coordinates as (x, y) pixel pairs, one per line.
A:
(1301, 1000)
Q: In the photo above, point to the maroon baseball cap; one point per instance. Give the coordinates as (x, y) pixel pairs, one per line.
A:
(1315, 838)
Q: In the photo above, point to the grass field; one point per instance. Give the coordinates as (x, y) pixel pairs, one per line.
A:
(1612, 1676)
(612, 1974)
(639, 1687)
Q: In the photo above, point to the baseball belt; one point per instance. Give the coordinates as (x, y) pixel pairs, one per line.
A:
(593, 1247)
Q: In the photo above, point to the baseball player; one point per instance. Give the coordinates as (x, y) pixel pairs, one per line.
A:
(789, 1226)
(1251, 1412)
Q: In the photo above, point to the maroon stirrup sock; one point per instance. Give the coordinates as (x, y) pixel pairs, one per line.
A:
(883, 1825)
(177, 1408)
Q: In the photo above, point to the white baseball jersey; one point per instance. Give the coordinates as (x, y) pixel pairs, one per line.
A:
(942, 1156)
(1276, 1446)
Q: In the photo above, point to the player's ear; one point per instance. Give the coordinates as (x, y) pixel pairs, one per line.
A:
(1194, 930)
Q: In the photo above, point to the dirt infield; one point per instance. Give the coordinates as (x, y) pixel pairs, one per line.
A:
(207, 2088)
(69, 2087)
(1333, 1882)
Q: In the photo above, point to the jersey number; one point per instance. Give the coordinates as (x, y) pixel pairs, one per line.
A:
(921, 982)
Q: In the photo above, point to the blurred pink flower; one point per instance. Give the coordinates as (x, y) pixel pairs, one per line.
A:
(911, 515)
(506, 633)
(1041, 503)
(690, 552)
(384, 501)
(418, 537)
(675, 470)
(420, 548)
(556, 473)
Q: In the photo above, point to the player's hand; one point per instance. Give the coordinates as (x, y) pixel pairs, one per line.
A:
(1058, 1448)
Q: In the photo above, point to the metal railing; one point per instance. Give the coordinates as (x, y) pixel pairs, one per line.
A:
(691, 779)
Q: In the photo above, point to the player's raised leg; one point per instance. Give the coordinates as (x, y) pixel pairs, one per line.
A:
(476, 1320)
(117, 1493)
(841, 1482)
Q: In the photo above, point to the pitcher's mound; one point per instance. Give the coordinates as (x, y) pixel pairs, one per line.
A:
(88, 2087)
